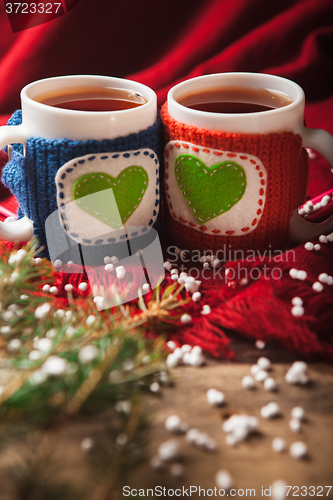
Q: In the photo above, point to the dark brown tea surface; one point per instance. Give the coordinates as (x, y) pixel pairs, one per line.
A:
(235, 100)
(92, 99)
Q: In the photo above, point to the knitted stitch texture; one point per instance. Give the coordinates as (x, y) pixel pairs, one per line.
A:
(286, 164)
(31, 178)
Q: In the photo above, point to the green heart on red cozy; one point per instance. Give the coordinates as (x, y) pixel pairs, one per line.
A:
(128, 188)
(209, 191)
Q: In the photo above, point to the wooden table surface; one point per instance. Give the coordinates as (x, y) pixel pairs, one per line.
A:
(252, 463)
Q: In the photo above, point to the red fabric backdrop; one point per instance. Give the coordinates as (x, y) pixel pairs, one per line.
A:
(161, 43)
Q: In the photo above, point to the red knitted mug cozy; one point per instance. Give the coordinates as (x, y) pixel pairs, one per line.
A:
(234, 190)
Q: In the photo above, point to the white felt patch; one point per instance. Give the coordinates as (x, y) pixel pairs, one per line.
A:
(133, 176)
(243, 217)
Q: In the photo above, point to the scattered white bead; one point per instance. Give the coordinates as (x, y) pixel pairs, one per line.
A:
(298, 412)
(192, 285)
(14, 345)
(248, 382)
(42, 310)
(70, 330)
(297, 311)
(155, 388)
(210, 444)
(293, 273)
(54, 290)
(167, 265)
(270, 384)
(297, 373)
(54, 365)
(309, 246)
(68, 287)
(120, 272)
(317, 286)
(196, 359)
(24, 296)
(260, 344)
(123, 407)
(83, 286)
(87, 444)
(185, 319)
(323, 278)
(264, 363)
(297, 301)
(70, 263)
(279, 445)
(171, 361)
(38, 377)
(323, 238)
(5, 330)
(177, 470)
(261, 375)
(254, 369)
(271, 410)
(295, 425)
(128, 365)
(169, 450)
(175, 425)
(206, 309)
(186, 348)
(317, 247)
(192, 435)
(171, 345)
(145, 287)
(34, 355)
(196, 296)
(174, 271)
(109, 268)
(46, 288)
(239, 427)
(302, 275)
(59, 313)
(38, 260)
(183, 275)
(325, 200)
(279, 490)
(99, 300)
(205, 265)
(330, 237)
(174, 277)
(330, 280)
(156, 463)
(87, 354)
(224, 480)
(121, 440)
(298, 450)
(90, 320)
(57, 263)
(215, 263)
(215, 397)
(43, 345)
(107, 259)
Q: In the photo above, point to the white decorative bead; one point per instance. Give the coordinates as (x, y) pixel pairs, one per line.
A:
(109, 267)
(261, 375)
(120, 272)
(248, 382)
(185, 319)
(42, 310)
(167, 265)
(270, 384)
(297, 311)
(87, 354)
(57, 263)
(260, 344)
(83, 286)
(87, 444)
(55, 366)
(90, 320)
(295, 425)
(279, 445)
(145, 287)
(264, 363)
(54, 290)
(317, 286)
(169, 450)
(297, 301)
(205, 310)
(196, 296)
(68, 287)
(298, 412)
(224, 480)
(309, 246)
(215, 397)
(46, 288)
(298, 450)
(270, 411)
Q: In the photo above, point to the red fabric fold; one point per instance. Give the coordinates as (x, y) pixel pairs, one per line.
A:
(162, 43)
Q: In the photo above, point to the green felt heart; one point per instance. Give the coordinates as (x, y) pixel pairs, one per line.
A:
(209, 191)
(128, 189)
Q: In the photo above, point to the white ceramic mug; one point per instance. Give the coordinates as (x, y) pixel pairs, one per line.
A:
(49, 122)
(240, 137)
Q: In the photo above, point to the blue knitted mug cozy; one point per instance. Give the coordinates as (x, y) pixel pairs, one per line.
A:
(54, 173)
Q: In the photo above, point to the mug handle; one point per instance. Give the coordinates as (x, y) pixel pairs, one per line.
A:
(301, 230)
(22, 229)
